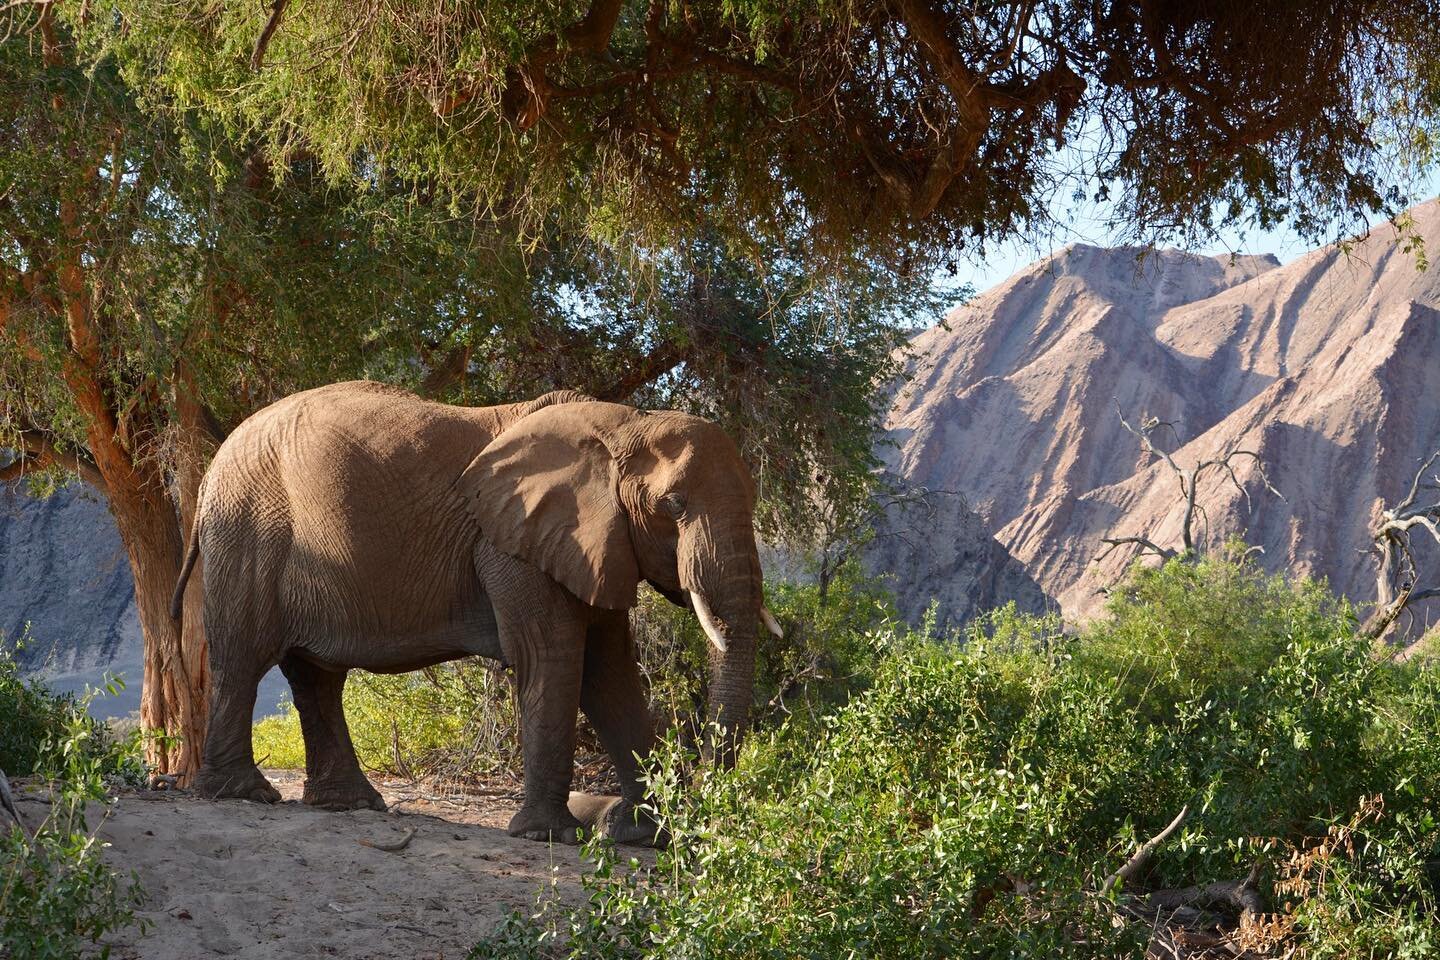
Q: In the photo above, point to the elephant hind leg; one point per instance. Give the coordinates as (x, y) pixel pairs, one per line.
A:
(228, 766)
(333, 779)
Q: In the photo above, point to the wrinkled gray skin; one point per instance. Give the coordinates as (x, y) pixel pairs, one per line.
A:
(358, 526)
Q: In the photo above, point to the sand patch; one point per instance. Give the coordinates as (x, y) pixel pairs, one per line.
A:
(252, 881)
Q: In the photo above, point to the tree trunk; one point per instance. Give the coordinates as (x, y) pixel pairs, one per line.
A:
(173, 707)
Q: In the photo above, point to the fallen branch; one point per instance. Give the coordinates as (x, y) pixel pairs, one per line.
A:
(1141, 857)
(394, 846)
(1238, 895)
(7, 800)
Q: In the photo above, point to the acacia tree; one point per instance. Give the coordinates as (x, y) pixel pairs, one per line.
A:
(162, 280)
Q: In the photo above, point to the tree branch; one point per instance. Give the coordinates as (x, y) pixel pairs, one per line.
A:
(1395, 558)
(654, 365)
(262, 42)
(1145, 544)
(38, 451)
(1141, 857)
(528, 91)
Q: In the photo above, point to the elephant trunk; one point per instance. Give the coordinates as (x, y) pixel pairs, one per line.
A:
(725, 588)
(732, 690)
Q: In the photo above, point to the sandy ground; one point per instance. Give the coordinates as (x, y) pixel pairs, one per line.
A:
(239, 879)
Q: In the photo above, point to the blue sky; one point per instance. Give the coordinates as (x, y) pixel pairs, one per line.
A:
(1087, 226)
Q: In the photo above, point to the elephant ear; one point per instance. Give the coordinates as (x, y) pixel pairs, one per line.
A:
(545, 490)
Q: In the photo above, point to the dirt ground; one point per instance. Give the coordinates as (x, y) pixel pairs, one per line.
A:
(254, 881)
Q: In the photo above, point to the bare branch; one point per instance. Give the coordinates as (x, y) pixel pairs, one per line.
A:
(1189, 484)
(1415, 487)
(1143, 433)
(1145, 544)
(1395, 560)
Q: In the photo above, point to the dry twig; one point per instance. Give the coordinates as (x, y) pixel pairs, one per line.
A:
(394, 846)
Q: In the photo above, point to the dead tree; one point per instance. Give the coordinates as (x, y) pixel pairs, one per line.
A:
(1190, 481)
(1398, 586)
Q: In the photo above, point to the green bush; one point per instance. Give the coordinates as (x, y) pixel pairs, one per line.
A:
(30, 714)
(56, 892)
(34, 719)
(970, 801)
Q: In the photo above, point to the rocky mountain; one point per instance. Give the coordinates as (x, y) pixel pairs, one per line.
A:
(64, 574)
(1328, 368)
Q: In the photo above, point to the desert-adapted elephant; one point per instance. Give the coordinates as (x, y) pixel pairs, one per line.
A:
(359, 526)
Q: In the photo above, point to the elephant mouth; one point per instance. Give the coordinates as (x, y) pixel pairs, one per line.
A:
(711, 626)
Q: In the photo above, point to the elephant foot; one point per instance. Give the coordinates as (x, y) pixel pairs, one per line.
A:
(617, 818)
(243, 783)
(548, 826)
(343, 795)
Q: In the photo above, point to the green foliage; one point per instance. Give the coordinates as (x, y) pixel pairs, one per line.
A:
(913, 130)
(30, 713)
(57, 895)
(453, 720)
(221, 268)
(971, 799)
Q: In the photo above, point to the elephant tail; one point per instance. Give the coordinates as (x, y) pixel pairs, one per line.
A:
(192, 554)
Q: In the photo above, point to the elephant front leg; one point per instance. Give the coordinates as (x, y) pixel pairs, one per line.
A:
(613, 697)
(333, 779)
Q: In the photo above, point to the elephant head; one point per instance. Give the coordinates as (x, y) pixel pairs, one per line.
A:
(601, 496)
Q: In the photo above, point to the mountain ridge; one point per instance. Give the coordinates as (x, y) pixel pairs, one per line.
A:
(1323, 366)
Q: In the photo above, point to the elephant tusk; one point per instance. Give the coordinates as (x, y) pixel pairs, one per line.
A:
(771, 623)
(707, 621)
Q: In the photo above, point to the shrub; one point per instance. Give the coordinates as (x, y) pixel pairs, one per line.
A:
(56, 892)
(30, 714)
(971, 799)
(454, 720)
(35, 720)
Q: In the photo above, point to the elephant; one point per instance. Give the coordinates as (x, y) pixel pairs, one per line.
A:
(358, 525)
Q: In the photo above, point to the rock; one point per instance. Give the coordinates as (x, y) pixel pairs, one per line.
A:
(64, 572)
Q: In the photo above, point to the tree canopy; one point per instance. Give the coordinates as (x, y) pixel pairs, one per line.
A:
(907, 128)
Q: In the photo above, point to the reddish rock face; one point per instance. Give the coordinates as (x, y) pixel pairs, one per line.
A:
(1327, 367)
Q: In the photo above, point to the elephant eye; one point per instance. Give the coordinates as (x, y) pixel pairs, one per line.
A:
(673, 504)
